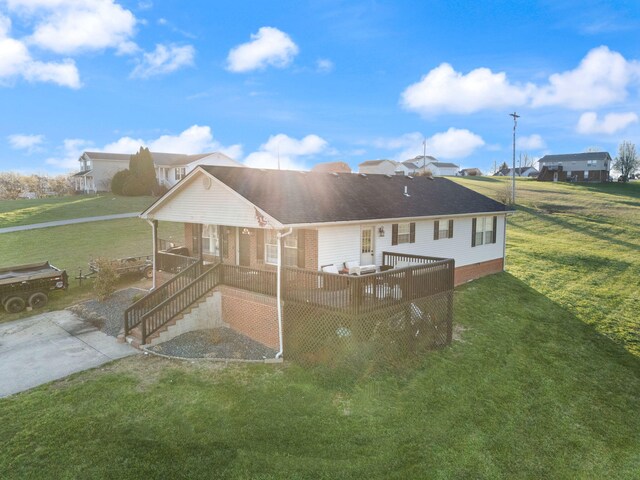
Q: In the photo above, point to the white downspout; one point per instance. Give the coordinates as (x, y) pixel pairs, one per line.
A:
(153, 237)
(504, 245)
(278, 297)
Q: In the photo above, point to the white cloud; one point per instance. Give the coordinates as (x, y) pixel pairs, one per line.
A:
(445, 90)
(70, 152)
(611, 123)
(72, 26)
(531, 142)
(454, 143)
(195, 139)
(164, 59)
(15, 61)
(268, 47)
(324, 65)
(601, 79)
(25, 142)
(288, 150)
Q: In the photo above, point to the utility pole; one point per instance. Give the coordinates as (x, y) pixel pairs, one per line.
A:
(513, 176)
(424, 155)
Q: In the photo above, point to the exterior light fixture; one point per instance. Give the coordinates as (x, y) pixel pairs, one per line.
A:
(381, 231)
(245, 231)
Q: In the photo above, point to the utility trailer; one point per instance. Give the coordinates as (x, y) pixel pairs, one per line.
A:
(124, 266)
(29, 285)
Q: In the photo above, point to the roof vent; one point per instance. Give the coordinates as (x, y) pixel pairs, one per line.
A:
(406, 193)
(430, 177)
(364, 175)
(387, 175)
(335, 174)
(409, 177)
(302, 172)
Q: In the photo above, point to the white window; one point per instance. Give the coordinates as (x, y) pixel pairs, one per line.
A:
(443, 230)
(180, 173)
(210, 243)
(271, 248)
(586, 174)
(568, 173)
(484, 231)
(165, 173)
(404, 233)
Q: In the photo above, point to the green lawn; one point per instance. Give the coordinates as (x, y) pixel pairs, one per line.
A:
(70, 247)
(544, 382)
(25, 212)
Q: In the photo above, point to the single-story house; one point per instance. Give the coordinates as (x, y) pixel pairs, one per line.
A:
(530, 172)
(382, 167)
(576, 167)
(98, 168)
(318, 228)
(442, 169)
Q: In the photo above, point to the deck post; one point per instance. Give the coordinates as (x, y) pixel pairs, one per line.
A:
(154, 234)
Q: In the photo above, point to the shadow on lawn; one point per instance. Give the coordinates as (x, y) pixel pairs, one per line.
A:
(561, 222)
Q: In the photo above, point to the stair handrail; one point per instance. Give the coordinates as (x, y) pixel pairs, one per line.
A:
(134, 313)
(183, 299)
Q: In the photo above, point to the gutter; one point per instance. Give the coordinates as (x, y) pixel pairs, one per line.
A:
(278, 293)
(153, 236)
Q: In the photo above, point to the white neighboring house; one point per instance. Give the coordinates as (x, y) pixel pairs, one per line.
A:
(98, 168)
(382, 167)
(531, 172)
(443, 169)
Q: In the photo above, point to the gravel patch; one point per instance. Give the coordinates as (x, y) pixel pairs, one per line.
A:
(221, 342)
(108, 316)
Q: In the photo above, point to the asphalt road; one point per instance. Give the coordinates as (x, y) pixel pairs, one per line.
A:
(71, 221)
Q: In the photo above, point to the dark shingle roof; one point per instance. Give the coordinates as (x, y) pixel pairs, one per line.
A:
(576, 156)
(293, 197)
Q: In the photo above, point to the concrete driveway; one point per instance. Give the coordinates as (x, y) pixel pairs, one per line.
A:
(50, 346)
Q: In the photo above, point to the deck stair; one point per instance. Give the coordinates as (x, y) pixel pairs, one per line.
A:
(153, 314)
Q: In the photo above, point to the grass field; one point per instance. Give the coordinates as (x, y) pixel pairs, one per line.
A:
(70, 247)
(544, 382)
(26, 212)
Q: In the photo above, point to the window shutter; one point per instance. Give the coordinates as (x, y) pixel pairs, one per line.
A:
(495, 228)
(412, 232)
(225, 241)
(450, 228)
(394, 234)
(436, 230)
(301, 249)
(473, 231)
(259, 244)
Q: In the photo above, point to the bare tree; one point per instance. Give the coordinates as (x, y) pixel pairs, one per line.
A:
(627, 160)
(527, 160)
(10, 185)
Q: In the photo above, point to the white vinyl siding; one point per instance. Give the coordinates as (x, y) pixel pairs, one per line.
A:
(339, 244)
(217, 205)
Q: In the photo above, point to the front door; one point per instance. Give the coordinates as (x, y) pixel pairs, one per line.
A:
(244, 258)
(366, 246)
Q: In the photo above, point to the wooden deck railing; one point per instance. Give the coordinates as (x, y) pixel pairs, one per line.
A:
(391, 259)
(365, 293)
(252, 279)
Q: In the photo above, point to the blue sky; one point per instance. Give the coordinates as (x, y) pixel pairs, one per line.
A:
(315, 81)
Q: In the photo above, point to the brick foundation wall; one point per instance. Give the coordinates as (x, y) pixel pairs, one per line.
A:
(251, 314)
(477, 270)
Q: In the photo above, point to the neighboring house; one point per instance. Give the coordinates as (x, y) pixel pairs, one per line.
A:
(98, 168)
(442, 169)
(339, 167)
(576, 167)
(244, 217)
(530, 172)
(470, 172)
(382, 167)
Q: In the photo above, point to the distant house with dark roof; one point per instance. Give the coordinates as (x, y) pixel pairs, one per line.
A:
(256, 222)
(98, 168)
(470, 172)
(443, 169)
(575, 167)
(382, 166)
(530, 172)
